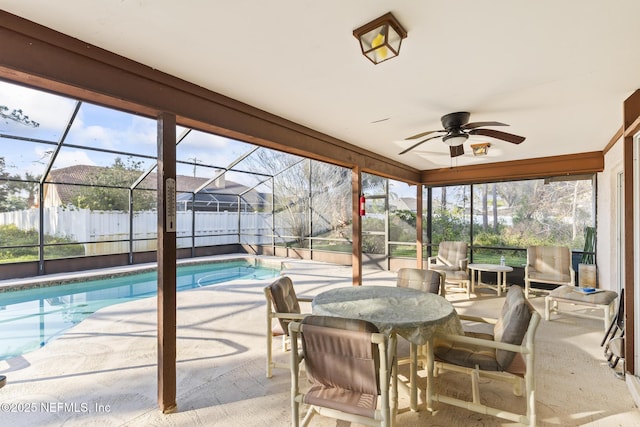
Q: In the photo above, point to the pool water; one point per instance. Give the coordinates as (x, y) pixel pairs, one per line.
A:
(31, 318)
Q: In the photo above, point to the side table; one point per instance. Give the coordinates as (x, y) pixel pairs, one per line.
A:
(501, 276)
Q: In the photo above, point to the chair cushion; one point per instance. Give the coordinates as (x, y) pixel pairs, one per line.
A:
(510, 328)
(572, 293)
(549, 264)
(456, 275)
(422, 280)
(451, 253)
(445, 268)
(535, 276)
(469, 355)
(512, 324)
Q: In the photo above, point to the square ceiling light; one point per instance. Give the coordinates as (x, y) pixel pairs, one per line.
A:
(381, 38)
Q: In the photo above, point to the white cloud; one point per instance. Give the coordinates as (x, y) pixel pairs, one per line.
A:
(72, 158)
(37, 105)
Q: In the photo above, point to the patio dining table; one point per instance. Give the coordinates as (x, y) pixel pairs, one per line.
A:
(410, 313)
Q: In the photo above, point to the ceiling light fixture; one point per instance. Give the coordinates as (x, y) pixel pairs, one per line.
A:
(380, 39)
(480, 149)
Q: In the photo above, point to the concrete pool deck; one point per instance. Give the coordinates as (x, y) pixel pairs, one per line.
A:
(103, 372)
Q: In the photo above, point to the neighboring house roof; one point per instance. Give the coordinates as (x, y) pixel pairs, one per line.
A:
(79, 174)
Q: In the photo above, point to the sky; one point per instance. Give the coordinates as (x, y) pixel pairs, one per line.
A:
(105, 128)
(94, 127)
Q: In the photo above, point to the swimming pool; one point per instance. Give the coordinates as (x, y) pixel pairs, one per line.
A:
(32, 317)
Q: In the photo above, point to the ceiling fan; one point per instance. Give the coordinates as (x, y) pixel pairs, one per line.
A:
(457, 130)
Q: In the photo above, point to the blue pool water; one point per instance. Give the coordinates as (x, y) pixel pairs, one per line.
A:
(31, 318)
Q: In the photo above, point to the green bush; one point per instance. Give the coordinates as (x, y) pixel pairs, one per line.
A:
(23, 245)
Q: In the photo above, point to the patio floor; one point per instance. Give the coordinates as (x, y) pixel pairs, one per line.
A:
(103, 371)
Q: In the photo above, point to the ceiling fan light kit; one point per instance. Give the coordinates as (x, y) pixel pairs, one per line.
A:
(455, 138)
(457, 130)
(381, 38)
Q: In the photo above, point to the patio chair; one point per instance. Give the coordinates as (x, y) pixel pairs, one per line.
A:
(282, 304)
(550, 265)
(452, 261)
(613, 340)
(350, 366)
(501, 349)
(430, 281)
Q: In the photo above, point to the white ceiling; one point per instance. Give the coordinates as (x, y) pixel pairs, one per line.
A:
(556, 71)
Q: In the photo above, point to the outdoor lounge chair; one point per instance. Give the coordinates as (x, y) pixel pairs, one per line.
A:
(452, 261)
(282, 304)
(550, 265)
(503, 351)
(350, 367)
(430, 281)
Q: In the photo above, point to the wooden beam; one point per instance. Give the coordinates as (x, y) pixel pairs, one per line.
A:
(631, 114)
(167, 263)
(419, 228)
(615, 138)
(541, 167)
(633, 128)
(40, 57)
(356, 227)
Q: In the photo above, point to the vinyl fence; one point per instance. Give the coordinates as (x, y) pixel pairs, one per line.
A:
(108, 232)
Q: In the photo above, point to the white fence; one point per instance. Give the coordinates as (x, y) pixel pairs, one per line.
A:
(100, 228)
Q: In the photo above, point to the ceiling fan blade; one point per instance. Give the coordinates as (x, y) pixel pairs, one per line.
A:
(415, 145)
(456, 150)
(509, 137)
(420, 135)
(475, 125)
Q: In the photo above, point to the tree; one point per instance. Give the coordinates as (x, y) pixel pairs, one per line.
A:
(485, 211)
(4, 191)
(12, 186)
(108, 189)
(548, 212)
(17, 116)
(311, 198)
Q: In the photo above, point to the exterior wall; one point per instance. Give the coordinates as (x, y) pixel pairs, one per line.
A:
(607, 218)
